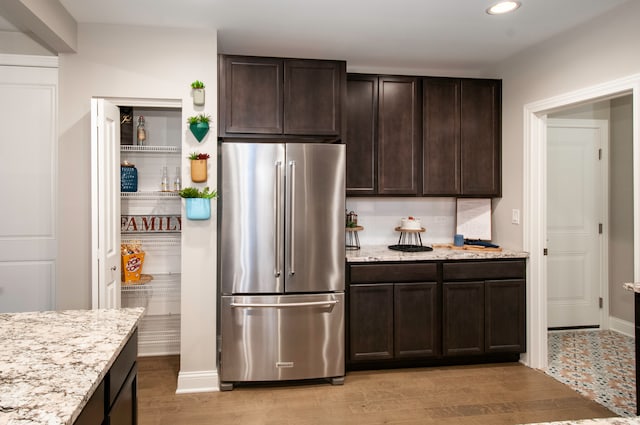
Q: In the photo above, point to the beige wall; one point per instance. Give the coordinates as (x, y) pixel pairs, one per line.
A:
(17, 43)
(145, 63)
(621, 208)
(598, 52)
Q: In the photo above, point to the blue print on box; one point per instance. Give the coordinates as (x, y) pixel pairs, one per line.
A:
(128, 179)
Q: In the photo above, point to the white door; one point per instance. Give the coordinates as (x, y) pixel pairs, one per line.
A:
(575, 183)
(105, 204)
(28, 174)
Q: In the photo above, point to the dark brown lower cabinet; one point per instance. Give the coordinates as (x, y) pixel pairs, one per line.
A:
(124, 410)
(394, 321)
(504, 316)
(463, 318)
(438, 312)
(637, 314)
(114, 402)
(416, 320)
(371, 314)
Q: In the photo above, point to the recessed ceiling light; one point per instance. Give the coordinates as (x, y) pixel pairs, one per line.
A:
(503, 7)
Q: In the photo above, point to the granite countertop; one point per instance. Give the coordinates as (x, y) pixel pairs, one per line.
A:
(52, 362)
(601, 421)
(369, 254)
(633, 287)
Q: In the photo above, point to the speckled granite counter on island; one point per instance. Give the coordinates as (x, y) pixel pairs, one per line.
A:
(52, 362)
(633, 287)
(369, 254)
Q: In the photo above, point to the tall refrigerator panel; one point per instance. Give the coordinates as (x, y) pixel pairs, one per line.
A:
(282, 261)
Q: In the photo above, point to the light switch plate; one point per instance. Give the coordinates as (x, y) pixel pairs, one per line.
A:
(515, 216)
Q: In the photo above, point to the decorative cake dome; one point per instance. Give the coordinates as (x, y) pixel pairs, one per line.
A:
(411, 223)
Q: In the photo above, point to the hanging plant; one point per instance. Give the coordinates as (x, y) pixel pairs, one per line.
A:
(198, 92)
(198, 167)
(198, 202)
(199, 126)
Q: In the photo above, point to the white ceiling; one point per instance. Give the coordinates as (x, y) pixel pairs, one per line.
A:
(409, 34)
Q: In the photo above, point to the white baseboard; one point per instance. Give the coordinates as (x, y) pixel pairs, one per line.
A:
(198, 382)
(622, 326)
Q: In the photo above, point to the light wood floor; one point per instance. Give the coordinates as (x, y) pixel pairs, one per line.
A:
(507, 393)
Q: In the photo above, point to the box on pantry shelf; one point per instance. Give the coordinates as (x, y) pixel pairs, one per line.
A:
(132, 262)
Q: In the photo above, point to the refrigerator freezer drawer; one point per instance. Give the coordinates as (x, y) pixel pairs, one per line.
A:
(286, 337)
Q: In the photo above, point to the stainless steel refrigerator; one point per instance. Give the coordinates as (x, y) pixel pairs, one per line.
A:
(282, 261)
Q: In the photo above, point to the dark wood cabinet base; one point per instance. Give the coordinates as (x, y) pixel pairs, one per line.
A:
(435, 313)
(438, 361)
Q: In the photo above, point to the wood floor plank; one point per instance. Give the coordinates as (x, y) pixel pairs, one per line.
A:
(506, 393)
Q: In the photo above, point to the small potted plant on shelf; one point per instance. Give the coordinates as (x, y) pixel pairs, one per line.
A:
(199, 125)
(198, 92)
(198, 202)
(198, 166)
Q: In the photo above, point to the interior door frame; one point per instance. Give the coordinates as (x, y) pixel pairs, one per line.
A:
(117, 101)
(603, 200)
(534, 199)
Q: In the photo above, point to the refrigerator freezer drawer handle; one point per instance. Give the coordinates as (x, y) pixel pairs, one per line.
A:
(286, 305)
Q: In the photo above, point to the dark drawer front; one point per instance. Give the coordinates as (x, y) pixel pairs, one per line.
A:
(122, 366)
(393, 273)
(484, 270)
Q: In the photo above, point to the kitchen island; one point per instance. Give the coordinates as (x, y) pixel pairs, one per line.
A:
(57, 365)
(635, 288)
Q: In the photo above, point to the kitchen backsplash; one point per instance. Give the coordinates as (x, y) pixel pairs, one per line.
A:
(380, 216)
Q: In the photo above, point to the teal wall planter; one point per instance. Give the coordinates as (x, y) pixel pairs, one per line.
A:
(198, 208)
(199, 130)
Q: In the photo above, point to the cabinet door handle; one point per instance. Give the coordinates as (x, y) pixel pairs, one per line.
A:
(114, 268)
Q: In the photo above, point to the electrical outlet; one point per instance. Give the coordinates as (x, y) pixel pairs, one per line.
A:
(515, 216)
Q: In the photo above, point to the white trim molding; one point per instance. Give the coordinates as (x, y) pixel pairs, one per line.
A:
(622, 326)
(198, 382)
(29, 60)
(534, 199)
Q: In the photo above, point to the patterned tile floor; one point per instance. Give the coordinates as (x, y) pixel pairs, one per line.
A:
(598, 364)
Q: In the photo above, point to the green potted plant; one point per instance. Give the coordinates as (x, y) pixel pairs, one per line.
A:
(199, 125)
(198, 166)
(198, 92)
(198, 202)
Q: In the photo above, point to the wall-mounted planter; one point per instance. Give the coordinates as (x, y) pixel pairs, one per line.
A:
(198, 208)
(198, 97)
(199, 170)
(199, 130)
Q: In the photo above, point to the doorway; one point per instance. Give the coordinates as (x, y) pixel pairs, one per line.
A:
(577, 203)
(534, 196)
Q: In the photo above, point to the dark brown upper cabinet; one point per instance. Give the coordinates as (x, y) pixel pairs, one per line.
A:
(461, 137)
(441, 136)
(480, 137)
(362, 130)
(398, 135)
(276, 96)
(250, 95)
(383, 135)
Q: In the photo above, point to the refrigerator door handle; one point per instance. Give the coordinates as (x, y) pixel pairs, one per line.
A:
(329, 303)
(277, 218)
(292, 215)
